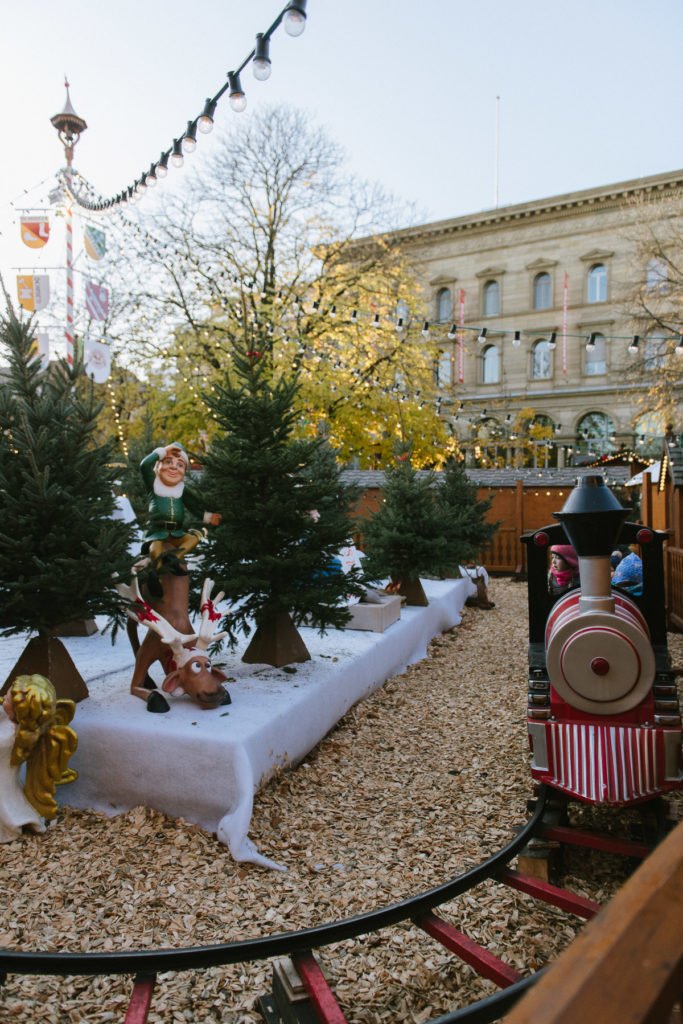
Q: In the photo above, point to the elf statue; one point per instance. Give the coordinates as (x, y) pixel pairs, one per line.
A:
(172, 506)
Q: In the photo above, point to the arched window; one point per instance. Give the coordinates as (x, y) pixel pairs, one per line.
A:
(490, 365)
(595, 362)
(657, 278)
(596, 434)
(491, 298)
(542, 291)
(655, 351)
(444, 305)
(444, 370)
(541, 360)
(597, 283)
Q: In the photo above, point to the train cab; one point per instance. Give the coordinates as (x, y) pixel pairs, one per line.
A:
(603, 713)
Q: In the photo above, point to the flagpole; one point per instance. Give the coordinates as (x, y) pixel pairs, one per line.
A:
(69, 128)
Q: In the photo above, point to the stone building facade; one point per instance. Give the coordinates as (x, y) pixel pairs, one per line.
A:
(543, 291)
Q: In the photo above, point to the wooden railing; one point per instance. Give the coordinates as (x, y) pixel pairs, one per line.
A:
(503, 553)
(627, 964)
(674, 586)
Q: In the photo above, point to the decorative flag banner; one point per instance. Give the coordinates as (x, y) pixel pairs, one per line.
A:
(96, 300)
(95, 242)
(33, 291)
(97, 360)
(565, 308)
(461, 340)
(40, 348)
(35, 231)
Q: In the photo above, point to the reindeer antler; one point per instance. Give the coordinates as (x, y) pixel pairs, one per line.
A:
(141, 611)
(207, 607)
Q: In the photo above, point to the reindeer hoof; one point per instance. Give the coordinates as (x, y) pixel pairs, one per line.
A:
(157, 703)
(227, 699)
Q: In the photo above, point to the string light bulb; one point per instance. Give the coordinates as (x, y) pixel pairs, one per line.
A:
(205, 119)
(425, 329)
(261, 65)
(151, 176)
(590, 344)
(452, 334)
(552, 341)
(679, 347)
(635, 342)
(399, 324)
(294, 18)
(177, 158)
(190, 137)
(517, 339)
(238, 101)
(482, 335)
(162, 165)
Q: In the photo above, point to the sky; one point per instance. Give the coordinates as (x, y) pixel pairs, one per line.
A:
(589, 94)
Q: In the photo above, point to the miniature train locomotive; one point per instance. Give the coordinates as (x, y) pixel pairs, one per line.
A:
(604, 718)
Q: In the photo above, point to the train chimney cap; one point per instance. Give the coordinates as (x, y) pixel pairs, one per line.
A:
(591, 494)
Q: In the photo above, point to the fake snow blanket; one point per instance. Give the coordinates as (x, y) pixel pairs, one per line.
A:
(206, 766)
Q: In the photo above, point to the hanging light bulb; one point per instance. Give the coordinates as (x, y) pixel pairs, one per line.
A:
(635, 342)
(375, 321)
(177, 158)
(333, 311)
(452, 334)
(590, 344)
(425, 329)
(482, 335)
(162, 165)
(354, 317)
(238, 101)
(399, 324)
(205, 119)
(517, 339)
(151, 176)
(261, 65)
(679, 347)
(190, 137)
(552, 341)
(294, 18)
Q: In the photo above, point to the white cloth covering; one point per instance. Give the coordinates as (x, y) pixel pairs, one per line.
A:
(15, 810)
(205, 766)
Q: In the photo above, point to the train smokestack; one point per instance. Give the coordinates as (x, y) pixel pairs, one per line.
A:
(592, 519)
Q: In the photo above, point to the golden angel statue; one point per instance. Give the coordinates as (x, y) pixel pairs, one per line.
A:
(34, 728)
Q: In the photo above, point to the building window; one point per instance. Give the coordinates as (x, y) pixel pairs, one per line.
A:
(491, 295)
(542, 291)
(657, 278)
(655, 352)
(596, 434)
(444, 370)
(541, 360)
(597, 283)
(444, 305)
(595, 362)
(490, 365)
(650, 430)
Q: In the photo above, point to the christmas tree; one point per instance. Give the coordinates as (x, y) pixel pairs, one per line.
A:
(405, 537)
(462, 515)
(285, 516)
(59, 545)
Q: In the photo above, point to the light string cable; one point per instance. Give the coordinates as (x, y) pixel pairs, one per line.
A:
(293, 18)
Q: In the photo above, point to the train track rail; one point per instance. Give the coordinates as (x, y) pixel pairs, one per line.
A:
(299, 946)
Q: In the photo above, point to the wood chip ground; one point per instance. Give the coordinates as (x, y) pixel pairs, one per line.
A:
(416, 784)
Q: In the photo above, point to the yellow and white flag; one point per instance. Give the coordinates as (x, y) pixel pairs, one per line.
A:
(33, 291)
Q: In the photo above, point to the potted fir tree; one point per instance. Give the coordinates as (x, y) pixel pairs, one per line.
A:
(59, 545)
(285, 516)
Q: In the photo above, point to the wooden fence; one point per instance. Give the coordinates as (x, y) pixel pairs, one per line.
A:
(674, 586)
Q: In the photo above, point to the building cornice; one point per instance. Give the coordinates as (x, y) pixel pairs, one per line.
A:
(607, 197)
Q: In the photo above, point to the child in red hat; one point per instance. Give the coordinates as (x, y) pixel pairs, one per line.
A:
(564, 569)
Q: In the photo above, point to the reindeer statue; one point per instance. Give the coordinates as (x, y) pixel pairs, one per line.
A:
(164, 610)
(171, 641)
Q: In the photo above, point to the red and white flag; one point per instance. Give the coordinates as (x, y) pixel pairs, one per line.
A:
(35, 231)
(96, 300)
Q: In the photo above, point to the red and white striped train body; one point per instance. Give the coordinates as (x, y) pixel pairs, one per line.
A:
(604, 721)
